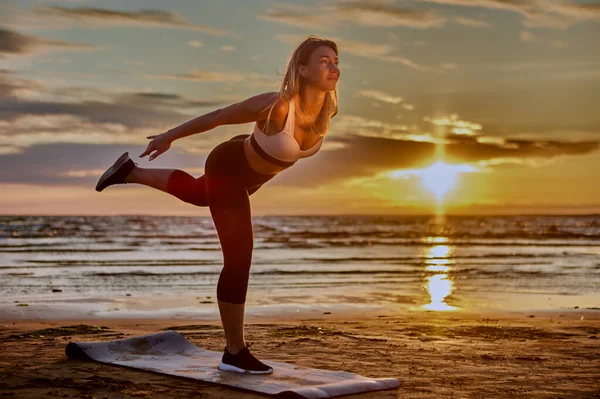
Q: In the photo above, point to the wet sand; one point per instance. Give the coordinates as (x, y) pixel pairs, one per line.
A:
(433, 354)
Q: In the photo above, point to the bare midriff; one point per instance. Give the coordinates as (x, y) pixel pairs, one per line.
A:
(257, 163)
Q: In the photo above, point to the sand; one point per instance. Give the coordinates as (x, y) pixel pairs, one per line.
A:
(433, 354)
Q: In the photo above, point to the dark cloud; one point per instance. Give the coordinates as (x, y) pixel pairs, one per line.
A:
(159, 96)
(46, 164)
(17, 44)
(590, 129)
(467, 149)
(133, 110)
(129, 115)
(142, 15)
(12, 42)
(362, 157)
(125, 113)
(167, 100)
(368, 156)
(97, 17)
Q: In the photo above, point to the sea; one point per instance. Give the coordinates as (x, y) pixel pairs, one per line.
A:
(57, 267)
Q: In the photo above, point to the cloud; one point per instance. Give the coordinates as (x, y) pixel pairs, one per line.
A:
(32, 113)
(560, 72)
(13, 43)
(527, 36)
(357, 48)
(298, 16)
(195, 43)
(252, 80)
(537, 66)
(357, 147)
(73, 138)
(330, 16)
(579, 10)
(372, 127)
(167, 100)
(81, 164)
(455, 125)
(379, 96)
(13, 86)
(522, 6)
(474, 23)
(46, 17)
(64, 1)
(449, 65)
(537, 13)
(124, 114)
(368, 157)
(385, 14)
(356, 157)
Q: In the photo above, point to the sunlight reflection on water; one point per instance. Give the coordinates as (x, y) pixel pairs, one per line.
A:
(438, 283)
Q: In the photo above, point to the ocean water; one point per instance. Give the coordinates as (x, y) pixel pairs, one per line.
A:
(101, 266)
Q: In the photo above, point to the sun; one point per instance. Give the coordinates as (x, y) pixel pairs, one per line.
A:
(439, 178)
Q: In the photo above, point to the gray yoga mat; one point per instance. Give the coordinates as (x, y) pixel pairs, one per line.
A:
(171, 353)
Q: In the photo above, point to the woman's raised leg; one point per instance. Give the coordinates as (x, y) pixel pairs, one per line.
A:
(173, 181)
(156, 178)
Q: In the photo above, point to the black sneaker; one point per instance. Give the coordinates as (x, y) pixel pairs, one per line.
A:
(117, 173)
(243, 362)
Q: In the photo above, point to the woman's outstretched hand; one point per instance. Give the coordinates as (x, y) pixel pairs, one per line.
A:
(160, 143)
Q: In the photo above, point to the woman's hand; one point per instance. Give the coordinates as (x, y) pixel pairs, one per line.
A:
(160, 143)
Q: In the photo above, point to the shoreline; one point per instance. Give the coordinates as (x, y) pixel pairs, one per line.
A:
(97, 310)
(204, 307)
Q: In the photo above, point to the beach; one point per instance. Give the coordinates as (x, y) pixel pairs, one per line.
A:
(468, 307)
(551, 354)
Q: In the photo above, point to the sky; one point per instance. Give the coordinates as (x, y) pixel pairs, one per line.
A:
(485, 107)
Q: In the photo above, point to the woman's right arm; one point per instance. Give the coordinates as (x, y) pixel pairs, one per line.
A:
(250, 110)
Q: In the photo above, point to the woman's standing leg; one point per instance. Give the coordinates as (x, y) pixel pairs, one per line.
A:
(230, 209)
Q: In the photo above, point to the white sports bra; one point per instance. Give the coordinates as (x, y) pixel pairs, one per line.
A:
(282, 148)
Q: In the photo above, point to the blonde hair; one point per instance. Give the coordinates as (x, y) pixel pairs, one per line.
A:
(293, 81)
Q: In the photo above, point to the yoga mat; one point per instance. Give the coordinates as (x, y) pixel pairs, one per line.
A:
(171, 353)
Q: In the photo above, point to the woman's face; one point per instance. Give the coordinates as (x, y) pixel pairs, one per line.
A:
(322, 70)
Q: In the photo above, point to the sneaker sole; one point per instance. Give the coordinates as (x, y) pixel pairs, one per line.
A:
(110, 171)
(228, 367)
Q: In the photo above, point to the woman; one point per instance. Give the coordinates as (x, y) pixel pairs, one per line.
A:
(290, 124)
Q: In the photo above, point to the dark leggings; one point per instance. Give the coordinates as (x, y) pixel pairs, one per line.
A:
(225, 187)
